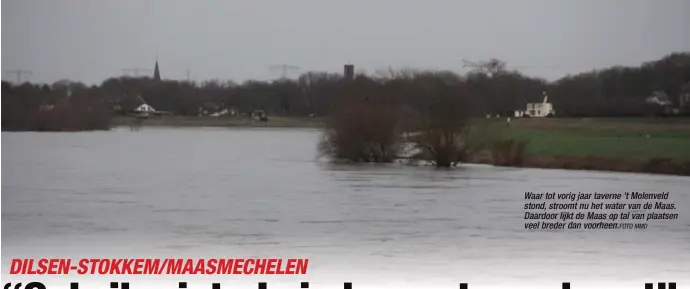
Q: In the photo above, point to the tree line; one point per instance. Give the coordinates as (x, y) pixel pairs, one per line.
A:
(492, 88)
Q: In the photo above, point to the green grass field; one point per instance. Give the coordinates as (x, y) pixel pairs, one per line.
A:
(632, 139)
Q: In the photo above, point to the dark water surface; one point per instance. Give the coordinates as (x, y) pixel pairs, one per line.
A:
(263, 192)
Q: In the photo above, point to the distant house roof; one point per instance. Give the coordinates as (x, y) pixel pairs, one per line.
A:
(145, 108)
(659, 98)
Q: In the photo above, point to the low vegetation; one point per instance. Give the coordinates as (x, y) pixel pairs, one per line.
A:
(508, 152)
(26, 108)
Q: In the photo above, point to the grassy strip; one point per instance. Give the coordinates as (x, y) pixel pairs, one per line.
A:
(608, 145)
(615, 145)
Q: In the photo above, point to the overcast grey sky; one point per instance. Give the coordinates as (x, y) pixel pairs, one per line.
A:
(90, 40)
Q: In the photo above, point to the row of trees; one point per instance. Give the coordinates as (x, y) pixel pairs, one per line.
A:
(494, 89)
(621, 91)
(42, 108)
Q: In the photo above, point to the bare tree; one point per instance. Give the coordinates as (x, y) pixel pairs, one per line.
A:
(365, 127)
(491, 67)
(440, 118)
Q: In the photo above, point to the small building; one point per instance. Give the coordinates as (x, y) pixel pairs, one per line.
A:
(259, 115)
(659, 98)
(225, 112)
(660, 102)
(537, 109)
(145, 108)
(212, 109)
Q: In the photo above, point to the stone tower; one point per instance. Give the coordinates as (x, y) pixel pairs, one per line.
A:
(349, 72)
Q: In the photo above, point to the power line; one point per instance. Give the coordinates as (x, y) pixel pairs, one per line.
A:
(18, 73)
(284, 69)
(135, 71)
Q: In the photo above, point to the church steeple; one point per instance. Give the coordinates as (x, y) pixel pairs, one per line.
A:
(156, 72)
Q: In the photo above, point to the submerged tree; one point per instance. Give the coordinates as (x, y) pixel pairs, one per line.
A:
(364, 127)
(439, 118)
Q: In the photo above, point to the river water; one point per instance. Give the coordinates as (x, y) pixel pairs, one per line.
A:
(202, 192)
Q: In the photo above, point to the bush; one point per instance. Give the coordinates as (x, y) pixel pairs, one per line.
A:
(508, 152)
(363, 130)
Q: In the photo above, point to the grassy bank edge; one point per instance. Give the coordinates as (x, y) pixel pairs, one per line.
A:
(662, 166)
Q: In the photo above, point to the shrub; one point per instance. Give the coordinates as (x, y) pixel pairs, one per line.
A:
(508, 152)
(363, 129)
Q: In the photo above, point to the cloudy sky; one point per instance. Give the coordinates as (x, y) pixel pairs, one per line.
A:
(90, 40)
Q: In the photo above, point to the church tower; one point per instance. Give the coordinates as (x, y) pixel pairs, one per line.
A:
(156, 73)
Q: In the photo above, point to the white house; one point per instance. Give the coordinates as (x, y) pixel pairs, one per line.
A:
(659, 98)
(224, 112)
(537, 109)
(145, 108)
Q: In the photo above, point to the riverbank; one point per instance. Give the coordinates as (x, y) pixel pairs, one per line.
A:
(651, 166)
